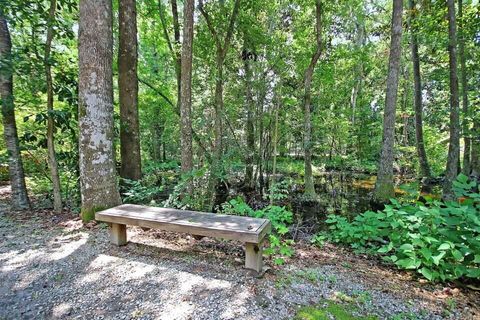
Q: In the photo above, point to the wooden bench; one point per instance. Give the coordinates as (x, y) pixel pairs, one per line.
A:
(252, 231)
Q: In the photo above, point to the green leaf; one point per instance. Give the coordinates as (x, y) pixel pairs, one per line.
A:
(408, 263)
(457, 255)
(406, 247)
(444, 246)
(436, 259)
(427, 273)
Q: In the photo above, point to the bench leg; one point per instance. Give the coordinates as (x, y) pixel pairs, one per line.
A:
(118, 234)
(254, 256)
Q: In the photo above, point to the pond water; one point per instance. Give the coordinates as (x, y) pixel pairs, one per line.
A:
(346, 193)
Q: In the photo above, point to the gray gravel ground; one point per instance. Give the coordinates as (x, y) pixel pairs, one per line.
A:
(71, 272)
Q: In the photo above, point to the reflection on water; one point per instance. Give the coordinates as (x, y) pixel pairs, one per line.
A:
(342, 193)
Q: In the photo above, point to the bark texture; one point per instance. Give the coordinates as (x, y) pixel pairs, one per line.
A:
(52, 158)
(384, 189)
(307, 121)
(186, 87)
(20, 199)
(98, 179)
(463, 67)
(128, 92)
(453, 159)
(417, 94)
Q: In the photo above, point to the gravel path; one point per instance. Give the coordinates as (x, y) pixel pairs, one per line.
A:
(63, 270)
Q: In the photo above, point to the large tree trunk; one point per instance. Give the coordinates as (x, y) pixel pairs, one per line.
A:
(97, 158)
(463, 79)
(128, 91)
(52, 158)
(307, 122)
(250, 128)
(454, 144)
(417, 81)
(15, 166)
(186, 87)
(384, 189)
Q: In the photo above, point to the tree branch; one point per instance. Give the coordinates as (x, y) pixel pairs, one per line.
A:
(210, 25)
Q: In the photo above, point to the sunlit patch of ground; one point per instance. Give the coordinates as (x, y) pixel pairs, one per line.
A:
(54, 267)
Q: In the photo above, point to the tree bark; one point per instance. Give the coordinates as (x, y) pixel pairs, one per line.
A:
(463, 67)
(131, 159)
(222, 47)
(384, 189)
(454, 144)
(20, 199)
(307, 122)
(250, 128)
(274, 152)
(52, 158)
(417, 92)
(475, 153)
(173, 46)
(186, 87)
(97, 157)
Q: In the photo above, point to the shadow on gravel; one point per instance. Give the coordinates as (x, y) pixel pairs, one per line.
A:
(55, 274)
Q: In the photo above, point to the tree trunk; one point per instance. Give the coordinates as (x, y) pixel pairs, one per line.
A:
(52, 158)
(186, 87)
(20, 199)
(97, 157)
(274, 152)
(417, 92)
(454, 144)
(384, 189)
(128, 91)
(307, 122)
(463, 79)
(222, 47)
(475, 146)
(250, 128)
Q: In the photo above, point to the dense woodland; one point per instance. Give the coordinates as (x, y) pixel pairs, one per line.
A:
(248, 107)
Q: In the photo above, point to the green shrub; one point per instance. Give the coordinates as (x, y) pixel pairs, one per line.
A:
(139, 192)
(440, 241)
(279, 247)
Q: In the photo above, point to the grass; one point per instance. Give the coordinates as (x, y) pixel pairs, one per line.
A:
(329, 310)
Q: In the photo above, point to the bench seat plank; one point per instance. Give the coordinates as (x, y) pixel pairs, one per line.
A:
(246, 229)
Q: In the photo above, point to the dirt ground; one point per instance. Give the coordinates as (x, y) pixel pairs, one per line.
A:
(54, 267)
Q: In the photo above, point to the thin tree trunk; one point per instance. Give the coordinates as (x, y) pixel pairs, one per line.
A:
(173, 47)
(417, 92)
(20, 199)
(250, 128)
(222, 47)
(128, 91)
(307, 142)
(274, 153)
(463, 79)
(384, 189)
(454, 144)
(358, 81)
(97, 157)
(475, 154)
(52, 158)
(186, 87)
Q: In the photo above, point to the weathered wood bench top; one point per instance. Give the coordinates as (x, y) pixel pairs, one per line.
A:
(245, 229)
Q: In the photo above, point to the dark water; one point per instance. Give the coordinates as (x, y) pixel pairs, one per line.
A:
(345, 193)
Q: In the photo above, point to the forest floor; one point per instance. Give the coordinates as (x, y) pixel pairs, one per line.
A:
(54, 267)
